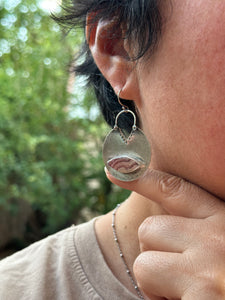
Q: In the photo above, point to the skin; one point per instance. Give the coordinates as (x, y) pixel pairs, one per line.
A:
(183, 95)
(174, 219)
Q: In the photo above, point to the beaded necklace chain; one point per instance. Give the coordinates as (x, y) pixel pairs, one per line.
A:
(121, 254)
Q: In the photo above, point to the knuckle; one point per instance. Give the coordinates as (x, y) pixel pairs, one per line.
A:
(171, 185)
(151, 229)
(158, 224)
(148, 262)
(139, 266)
(143, 232)
(146, 230)
(147, 225)
(144, 226)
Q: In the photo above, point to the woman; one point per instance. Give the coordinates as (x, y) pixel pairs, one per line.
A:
(168, 59)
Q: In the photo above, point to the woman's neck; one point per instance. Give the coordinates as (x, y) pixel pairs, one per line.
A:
(129, 217)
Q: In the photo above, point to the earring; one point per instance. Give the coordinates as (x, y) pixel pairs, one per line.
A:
(126, 155)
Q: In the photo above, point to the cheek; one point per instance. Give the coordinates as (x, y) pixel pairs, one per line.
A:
(183, 94)
(188, 139)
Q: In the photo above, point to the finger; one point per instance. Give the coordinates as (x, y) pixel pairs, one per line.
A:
(176, 195)
(160, 274)
(168, 233)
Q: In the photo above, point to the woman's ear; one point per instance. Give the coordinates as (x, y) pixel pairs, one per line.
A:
(108, 49)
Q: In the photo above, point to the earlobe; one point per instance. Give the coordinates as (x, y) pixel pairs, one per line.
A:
(106, 43)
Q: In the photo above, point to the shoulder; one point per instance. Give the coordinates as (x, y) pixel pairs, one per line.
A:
(41, 269)
(38, 251)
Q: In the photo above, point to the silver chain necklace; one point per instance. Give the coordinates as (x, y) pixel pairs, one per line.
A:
(121, 254)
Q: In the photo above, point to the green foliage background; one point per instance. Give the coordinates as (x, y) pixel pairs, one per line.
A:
(50, 139)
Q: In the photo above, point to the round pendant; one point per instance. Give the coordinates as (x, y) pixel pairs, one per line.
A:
(126, 155)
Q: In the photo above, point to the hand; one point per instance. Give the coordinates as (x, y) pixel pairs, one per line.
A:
(182, 254)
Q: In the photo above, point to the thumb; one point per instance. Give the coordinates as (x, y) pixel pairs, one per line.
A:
(176, 195)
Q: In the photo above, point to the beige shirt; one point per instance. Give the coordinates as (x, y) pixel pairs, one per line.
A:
(67, 265)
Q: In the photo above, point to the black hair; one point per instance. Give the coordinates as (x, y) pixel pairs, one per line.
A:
(141, 21)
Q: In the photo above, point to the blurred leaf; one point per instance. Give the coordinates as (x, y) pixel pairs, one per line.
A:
(50, 129)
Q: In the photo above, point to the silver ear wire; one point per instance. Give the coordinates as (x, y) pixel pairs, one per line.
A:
(124, 107)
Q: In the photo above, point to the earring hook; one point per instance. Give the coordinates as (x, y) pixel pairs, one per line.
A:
(124, 107)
